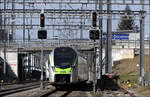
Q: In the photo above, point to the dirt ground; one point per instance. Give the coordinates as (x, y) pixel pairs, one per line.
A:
(128, 69)
(131, 66)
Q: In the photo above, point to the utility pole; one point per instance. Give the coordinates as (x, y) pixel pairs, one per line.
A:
(141, 78)
(23, 22)
(5, 38)
(13, 20)
(42, 63)
(149, 33)
(0, 18)
(100, 39)
(81, 32)
(94, 69)
(109, 39)
(28, 34)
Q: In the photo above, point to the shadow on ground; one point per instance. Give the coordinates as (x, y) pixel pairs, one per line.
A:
(108, 83)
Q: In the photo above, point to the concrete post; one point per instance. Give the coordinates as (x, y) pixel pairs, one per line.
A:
(4, 38)
(109, 37)
(141, 49)
(141, 77)
(42, 64)
(94, 70)
(13, 21)
(1, 19)
(100, 40)
(81, 31)
(23, 22)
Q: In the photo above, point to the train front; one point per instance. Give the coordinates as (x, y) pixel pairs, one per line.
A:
(64, 69)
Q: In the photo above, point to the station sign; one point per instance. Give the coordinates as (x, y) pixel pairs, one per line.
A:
(117, 37)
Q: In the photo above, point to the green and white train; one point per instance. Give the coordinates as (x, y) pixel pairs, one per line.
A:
(66, 66)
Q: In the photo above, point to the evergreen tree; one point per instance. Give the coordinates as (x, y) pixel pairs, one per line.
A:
(127, 22)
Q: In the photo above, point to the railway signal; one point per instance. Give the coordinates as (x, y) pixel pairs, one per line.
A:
(42, 34)
(94, 19)
(42, 20)
(94, 34)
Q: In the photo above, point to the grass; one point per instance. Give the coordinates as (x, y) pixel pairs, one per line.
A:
(132, 78)
(143, 90)
(97, 94)
(128, 70)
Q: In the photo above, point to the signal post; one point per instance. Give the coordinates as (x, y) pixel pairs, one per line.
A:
(42, 34)
(94, 35)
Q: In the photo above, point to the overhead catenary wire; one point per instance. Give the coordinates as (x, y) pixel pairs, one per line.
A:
(114, 2)
(65, 11)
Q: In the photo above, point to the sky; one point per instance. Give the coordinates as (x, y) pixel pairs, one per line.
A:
(52, 31)
(133, 8)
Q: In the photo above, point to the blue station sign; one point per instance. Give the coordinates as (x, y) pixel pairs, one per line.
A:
(118, 37)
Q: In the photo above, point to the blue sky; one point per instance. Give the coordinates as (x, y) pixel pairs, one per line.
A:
(76, 34)
(133, 8)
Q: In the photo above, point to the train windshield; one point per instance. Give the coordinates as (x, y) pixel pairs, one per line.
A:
(64, 57)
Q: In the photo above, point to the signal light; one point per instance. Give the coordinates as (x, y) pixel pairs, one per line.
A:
(94, 34)
(94, 19)
(42, 20)
(42, 34)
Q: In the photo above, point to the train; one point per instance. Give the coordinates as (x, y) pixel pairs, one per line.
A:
(66, 66)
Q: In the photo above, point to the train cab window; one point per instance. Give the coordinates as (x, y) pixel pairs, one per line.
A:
(64, 57)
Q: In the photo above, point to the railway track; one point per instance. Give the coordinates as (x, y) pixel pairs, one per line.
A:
(121, 92)
(84, 90)
(76, 90)
(20, 88)
(9, 85)
(57, 93)
(67, 93)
